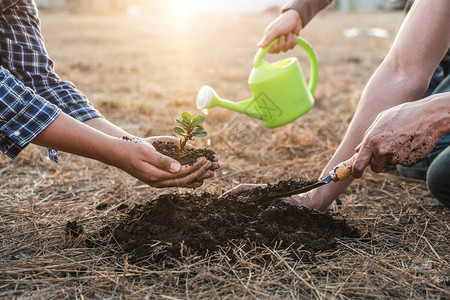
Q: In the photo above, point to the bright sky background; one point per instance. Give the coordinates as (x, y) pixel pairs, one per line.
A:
(223, 7)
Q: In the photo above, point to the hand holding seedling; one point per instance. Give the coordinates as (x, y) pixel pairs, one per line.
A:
(202, 169)
(165, 171)
(179, 150)
(144, 162)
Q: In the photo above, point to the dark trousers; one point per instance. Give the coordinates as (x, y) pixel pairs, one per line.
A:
(438, 177)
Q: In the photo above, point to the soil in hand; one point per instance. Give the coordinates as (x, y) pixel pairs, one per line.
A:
(185, 157)
(201, 223)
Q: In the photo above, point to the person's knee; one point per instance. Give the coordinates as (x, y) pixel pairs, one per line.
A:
(438, 177)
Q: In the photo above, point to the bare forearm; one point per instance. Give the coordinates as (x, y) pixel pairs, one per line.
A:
(107, 127)
(402, 77)
(394, 91)
(138, 158)
(69, 135)
(387, 88)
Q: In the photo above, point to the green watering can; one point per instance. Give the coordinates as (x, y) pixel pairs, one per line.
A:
(279, 89)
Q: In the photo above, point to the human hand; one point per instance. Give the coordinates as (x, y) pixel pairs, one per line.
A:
(403, 134)
(301, 200)
(286, 27)
(140, 159)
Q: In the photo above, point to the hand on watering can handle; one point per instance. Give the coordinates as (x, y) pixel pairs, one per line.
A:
(314, 65)
(286, 27)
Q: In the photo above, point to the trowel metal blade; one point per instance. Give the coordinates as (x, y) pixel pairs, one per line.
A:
(305, 189)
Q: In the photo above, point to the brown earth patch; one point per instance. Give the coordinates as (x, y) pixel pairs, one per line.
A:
(200, 223)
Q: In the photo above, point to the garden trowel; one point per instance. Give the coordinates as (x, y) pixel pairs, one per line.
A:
(340, 172)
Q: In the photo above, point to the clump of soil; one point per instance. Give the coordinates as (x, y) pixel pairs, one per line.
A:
(272, 190)
(185, 157)
(203, 222)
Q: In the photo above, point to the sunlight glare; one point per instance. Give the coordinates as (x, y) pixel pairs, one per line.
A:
(232, 8)
(185, 8)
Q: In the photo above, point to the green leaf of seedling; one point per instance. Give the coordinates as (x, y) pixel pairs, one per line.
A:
(176, 136)
(186, 117)
(195, 133)
(181, 123)
(199, 128)
(179, 130)
(199, 134)
(197, 120)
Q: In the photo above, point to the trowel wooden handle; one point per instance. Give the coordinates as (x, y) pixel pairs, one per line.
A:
(344, 169)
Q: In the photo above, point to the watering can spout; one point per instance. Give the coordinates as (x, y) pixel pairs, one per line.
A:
(208, 98)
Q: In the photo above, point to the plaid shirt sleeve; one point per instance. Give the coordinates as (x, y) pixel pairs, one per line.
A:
(23, 53)
(23, 114)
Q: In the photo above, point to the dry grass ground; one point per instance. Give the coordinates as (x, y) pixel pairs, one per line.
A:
(141, 72)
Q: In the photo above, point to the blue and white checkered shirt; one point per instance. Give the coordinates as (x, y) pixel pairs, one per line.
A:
(31, 93)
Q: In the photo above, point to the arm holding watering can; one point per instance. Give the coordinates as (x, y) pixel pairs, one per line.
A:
(392, 124)
(295, 15)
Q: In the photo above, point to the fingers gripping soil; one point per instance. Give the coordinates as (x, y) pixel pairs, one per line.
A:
(189, 179)
(163, 162)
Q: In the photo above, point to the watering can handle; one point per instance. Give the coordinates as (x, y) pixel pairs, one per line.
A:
(314, 71)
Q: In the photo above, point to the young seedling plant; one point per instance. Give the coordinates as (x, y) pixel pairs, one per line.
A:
(189, 128)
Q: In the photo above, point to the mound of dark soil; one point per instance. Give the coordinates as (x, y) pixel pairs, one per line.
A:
(185, 157)
(204, 222)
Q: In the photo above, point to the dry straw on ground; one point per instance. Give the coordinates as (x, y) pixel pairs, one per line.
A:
(143, 71)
